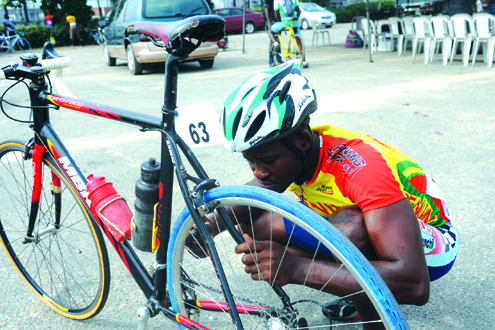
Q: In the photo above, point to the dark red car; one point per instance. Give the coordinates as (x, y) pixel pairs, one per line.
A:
(233, 19)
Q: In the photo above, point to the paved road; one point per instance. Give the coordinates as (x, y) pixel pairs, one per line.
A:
(441, 116)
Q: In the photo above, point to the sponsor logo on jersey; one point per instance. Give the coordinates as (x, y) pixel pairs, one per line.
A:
(325, 189)
(349, 161)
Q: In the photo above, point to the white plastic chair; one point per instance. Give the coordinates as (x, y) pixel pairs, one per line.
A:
(318, 30)
(484, 24)
(374, 34)
(442, 34)
(407, 31)
(460, 24)
(394, 30)
(422, 36)
(356, 24)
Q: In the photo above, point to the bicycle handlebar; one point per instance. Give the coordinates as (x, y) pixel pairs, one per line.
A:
(28, 67)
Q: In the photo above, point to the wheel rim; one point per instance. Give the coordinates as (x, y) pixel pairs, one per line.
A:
(107, 56)
(130, 59)
(249, 28)
(61, 265)
(234, 270)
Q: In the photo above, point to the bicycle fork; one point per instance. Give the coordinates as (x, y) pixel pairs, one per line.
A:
(55, 187)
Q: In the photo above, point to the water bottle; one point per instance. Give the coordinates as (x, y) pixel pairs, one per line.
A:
(110, 207)
(147, 194)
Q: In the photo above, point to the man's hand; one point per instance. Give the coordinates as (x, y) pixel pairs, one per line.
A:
(265, 261)
(195, 245)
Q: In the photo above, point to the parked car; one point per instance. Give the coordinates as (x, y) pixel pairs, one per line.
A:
(311, 11)
(140, 51)
(233, 19)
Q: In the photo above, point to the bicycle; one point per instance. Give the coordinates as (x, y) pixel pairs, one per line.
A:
(9, 42)
(291, 44)
(93, 36)
(40, 223)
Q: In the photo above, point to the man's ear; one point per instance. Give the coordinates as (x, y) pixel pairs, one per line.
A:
(304, 139)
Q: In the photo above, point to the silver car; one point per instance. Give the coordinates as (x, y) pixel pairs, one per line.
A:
(311, 11)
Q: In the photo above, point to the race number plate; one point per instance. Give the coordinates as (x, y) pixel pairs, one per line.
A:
(198, 125)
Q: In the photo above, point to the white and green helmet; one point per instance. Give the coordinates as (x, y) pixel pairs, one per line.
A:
(266, 107)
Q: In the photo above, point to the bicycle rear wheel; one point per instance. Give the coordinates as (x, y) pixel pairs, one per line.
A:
(23, 45)
(64, 262)
(266, 311)
(298, 50)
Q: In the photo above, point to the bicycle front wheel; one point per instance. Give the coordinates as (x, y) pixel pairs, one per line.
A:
(195, 292)
(297, 49)
(4, 46)
(88, 39)
(23, 45)
(64, 262)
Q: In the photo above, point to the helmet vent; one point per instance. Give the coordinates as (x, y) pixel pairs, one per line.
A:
(271, 88)
(236, 123)
(248, 92)
(255, 126)
(283, 92)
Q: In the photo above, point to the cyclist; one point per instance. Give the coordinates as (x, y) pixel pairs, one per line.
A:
(274, 47)
(286, 14)
(382, 200)
(9, 25)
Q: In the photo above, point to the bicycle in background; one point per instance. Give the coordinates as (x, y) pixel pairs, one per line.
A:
(291, 44)
(14, 42)
(93, 36)
(52, 227)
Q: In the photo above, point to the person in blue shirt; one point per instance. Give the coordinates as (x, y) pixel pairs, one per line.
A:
(9, 25)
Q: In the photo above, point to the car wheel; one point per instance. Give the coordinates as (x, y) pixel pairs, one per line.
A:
(110, 61)
(134, 66)
(305, 24)
(206, 64)
(250, 28)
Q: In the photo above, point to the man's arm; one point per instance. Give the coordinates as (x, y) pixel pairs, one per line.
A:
(396, 239)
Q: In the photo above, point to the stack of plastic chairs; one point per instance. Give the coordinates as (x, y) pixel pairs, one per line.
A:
(460, 24)
(366, 31)
(394, 30)
(407, 31)
(484, 24)
(422, 36)
(442, 34)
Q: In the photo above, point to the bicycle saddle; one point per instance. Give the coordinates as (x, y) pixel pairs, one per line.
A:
(177, 37)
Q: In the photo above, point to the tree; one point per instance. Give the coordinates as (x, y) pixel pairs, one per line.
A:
(17, 4)
(59, 8)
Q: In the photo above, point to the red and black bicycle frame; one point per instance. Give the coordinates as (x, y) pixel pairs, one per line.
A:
(46, 140)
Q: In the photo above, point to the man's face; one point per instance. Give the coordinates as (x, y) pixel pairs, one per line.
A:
(274, 165)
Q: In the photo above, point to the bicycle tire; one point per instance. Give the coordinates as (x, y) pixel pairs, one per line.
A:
(4, 47)
(63, 268)
(300, 54)
(23, 45)
(88, 39)
(182, 269)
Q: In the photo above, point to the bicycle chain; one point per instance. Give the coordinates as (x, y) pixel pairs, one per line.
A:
(249, 300)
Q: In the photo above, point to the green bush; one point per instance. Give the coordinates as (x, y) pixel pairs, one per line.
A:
(345, 15)
(35, 34)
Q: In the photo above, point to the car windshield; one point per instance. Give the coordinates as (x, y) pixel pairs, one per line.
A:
(310, 7)
(171, 8)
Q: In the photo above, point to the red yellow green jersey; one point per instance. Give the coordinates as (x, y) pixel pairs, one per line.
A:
(356, 169)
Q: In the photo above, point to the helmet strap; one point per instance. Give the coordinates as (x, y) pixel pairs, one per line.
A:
(304, 158)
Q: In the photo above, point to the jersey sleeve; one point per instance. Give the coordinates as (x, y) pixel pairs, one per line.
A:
(374, 186)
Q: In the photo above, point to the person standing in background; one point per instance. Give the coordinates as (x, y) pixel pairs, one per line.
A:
(48, 20)
(9, 25)
(74, 32)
